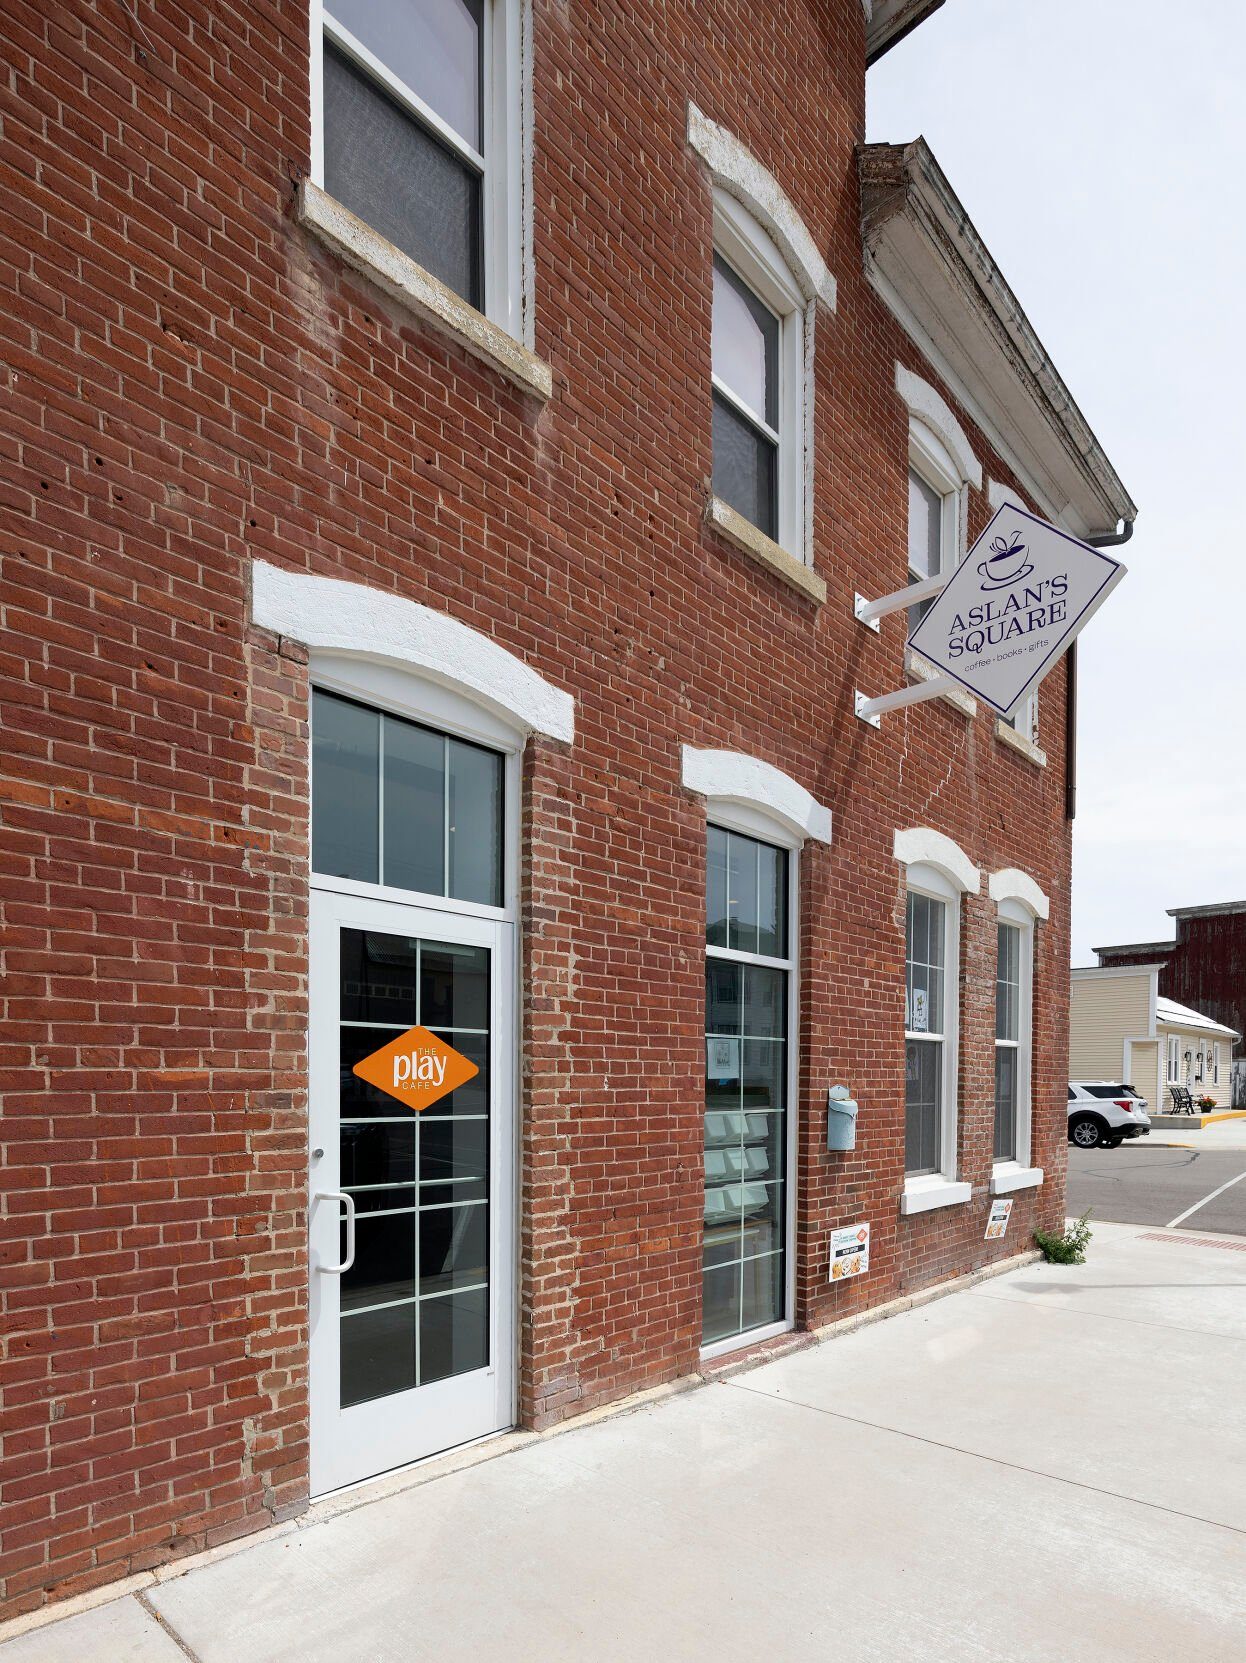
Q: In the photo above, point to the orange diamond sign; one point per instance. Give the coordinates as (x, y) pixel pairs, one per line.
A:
(417, 1068)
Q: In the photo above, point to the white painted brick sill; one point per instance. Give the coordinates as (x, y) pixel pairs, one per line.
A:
(1019, 742)
(744, 535)
(1005, 1179)
(425, 295)
(923, 1195)
(923, 670)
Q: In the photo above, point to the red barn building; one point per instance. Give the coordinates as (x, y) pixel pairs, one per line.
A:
(443, 441)
(1203, 967)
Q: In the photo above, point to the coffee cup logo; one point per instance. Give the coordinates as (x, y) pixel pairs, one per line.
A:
(1006, 563)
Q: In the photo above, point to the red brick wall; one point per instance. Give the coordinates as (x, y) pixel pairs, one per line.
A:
(188, 381)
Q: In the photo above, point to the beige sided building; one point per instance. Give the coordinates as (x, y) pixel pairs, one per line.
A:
(1121, 1028)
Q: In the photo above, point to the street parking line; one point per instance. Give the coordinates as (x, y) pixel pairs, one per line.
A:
(1181, 1217)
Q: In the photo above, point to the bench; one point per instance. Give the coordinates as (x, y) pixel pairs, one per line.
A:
(1182, 1102)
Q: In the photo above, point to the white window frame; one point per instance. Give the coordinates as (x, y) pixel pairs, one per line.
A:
(404, 693)
(753, 256)
(1200, 1063)
(927, 880)
(756, 823)
(1215, 1063)
(504, 160)
(1173, 1065)
(1016, 1172)
(931, 461)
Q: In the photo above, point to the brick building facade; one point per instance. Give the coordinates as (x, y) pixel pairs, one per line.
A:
(514, 491)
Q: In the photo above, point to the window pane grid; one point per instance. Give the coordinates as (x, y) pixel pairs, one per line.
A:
(745, 1086)
(925, 974)
(400, 804)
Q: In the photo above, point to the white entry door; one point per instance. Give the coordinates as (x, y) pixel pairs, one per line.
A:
(411, 1213)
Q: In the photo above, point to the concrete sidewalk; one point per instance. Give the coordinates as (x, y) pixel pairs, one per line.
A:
(1048, 1464)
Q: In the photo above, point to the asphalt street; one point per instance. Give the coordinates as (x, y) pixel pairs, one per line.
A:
(1158, 1184)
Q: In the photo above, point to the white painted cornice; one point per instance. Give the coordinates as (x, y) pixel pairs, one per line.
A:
(921, 845)
(734, 777)
(376, 624)
(1010, 884)
(737, 171)
(928, 405)
(930, 267)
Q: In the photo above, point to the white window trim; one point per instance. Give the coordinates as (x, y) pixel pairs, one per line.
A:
(748, 200)
(927, 1190)
(405, 693)
(1215, 1063)
(754, 821)
(1015, 1172)
(1172, 1066)
(932, 460)
(504, 333)
(940, 868)
(746, 247)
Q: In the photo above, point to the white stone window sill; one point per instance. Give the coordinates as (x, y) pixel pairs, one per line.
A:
(923, 670)
(744, 535)
(923, 1195)
(425, 295)
(1020, 743)
(1008, 1176)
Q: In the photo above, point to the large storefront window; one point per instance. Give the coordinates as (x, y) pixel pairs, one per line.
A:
(747, 987)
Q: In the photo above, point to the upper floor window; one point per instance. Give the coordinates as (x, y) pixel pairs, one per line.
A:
(934, 516)
(417, 134)
(403, 805)
(758, 379)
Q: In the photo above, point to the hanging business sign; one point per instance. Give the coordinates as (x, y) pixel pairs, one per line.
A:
(1011, 608)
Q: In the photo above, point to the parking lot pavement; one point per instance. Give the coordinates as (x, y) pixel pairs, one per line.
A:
(983, 1479)
(1145, 1183)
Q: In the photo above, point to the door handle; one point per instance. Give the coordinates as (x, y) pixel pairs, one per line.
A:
(349, 1203)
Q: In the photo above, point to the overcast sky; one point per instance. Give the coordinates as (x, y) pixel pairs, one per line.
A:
(1098, 145)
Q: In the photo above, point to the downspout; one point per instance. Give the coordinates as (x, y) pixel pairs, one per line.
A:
(1106, 540)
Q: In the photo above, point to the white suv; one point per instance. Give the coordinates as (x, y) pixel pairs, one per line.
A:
(1102, 1113)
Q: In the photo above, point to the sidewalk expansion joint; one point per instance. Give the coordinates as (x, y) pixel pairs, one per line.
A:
(162, 1622)
(992, 1460)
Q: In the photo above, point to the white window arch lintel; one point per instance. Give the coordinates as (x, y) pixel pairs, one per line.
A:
(353, 619)
(921, 845)
(735, 170)
(928, 406)
(1010, 884)
(733, 777)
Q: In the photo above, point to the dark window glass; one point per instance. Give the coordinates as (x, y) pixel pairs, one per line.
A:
(1005, 1102)
(345, 796)
(746, 894)
(474, 823)
(443, 804)
(923, 1094)
(415, 807)
(384, 165)
(746, 467)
